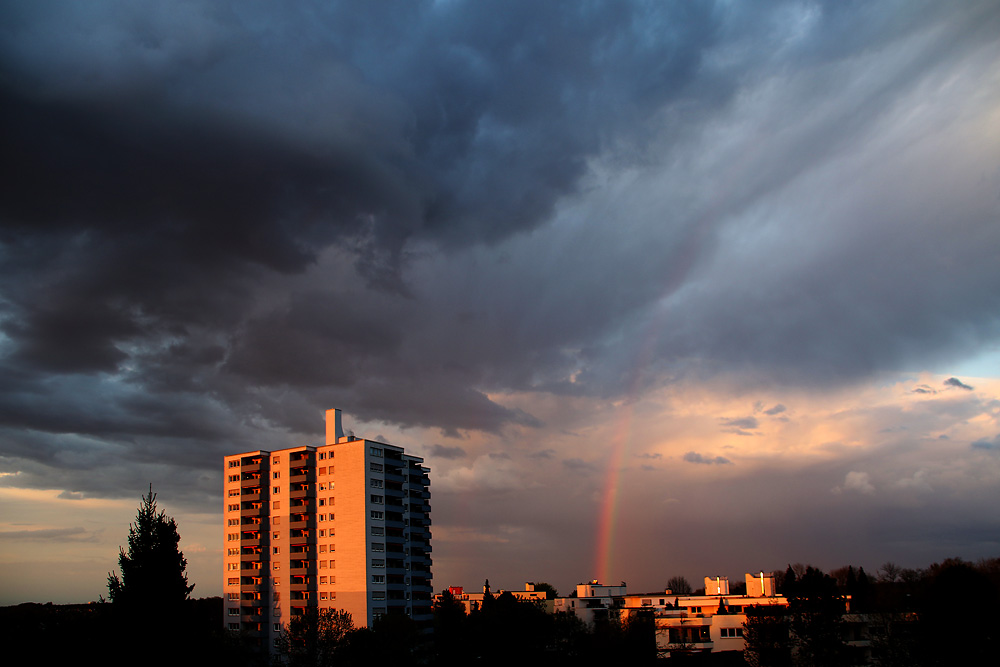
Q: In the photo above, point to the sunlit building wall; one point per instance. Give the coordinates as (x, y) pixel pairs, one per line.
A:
(343, 525)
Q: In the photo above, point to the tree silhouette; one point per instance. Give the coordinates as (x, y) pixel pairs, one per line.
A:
(316, 637)
(679, 586)
(152, 570)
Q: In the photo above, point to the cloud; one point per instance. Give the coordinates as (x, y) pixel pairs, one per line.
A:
(218, 224)
(955, 382)
(694, 457)
(740, 422)
(443, 452)
(49, 534)
(987, 445)
(578, 465)
(856, 482)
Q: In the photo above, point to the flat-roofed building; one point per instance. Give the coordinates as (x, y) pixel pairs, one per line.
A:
(342, 525)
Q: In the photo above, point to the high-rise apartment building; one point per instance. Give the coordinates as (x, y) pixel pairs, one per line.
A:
(342, 525)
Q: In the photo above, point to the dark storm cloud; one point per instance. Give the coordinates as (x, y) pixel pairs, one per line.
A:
(219, 219)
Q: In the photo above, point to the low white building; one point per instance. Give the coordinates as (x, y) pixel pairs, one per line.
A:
(684, 623)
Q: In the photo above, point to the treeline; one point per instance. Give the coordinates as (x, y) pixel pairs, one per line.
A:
(946, 614)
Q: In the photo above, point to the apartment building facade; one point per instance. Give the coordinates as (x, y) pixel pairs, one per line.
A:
(343, 525)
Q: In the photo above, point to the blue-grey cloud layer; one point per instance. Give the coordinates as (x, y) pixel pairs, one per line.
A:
(220, 218)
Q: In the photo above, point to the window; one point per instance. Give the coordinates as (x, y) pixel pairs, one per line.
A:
(234, 522)
(234, 626)
(234, 507)
(378, 516)
(378, 595)
(378, 531)
(333, 564)
(276, 550)
(277, 596)
(277, 582)
(275, 475)
(323, 580)
(233, 596)
(232, 581)
(277, 565)
(323, 595)
(375, 467)
(378, 562)
(234, 478)
(322, 486)
(276, 535)
(378, 546)
(234, 464)
(376, 500)
(322, 564)
(322, 456)
(322, 502)
(234, 493)
(234, 611)
(376, 483)
(375, 451)
(277, 628)
(378, 578)
(232, 566)
(233, 537)
(275, 490)
(321, 471)
(276, 504)
(322, 548)
(322, 532)
(732, 632)
(276, 521)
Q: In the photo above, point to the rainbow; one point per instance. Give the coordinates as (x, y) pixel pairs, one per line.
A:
(609, 501)
(608, 514)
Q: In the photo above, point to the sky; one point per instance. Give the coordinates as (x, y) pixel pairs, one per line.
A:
(655, 288)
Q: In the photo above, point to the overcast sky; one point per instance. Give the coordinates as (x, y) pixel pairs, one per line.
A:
(656, 288)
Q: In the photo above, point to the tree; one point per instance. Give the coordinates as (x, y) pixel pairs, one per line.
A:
(766, 637)
(152, 570)
(679, 586)
(889, 572)
(550, 591)
(315, 637)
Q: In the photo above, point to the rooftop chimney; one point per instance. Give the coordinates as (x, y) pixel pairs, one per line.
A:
(334, 428)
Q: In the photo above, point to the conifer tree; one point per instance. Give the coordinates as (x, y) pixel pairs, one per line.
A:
(152, 570)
